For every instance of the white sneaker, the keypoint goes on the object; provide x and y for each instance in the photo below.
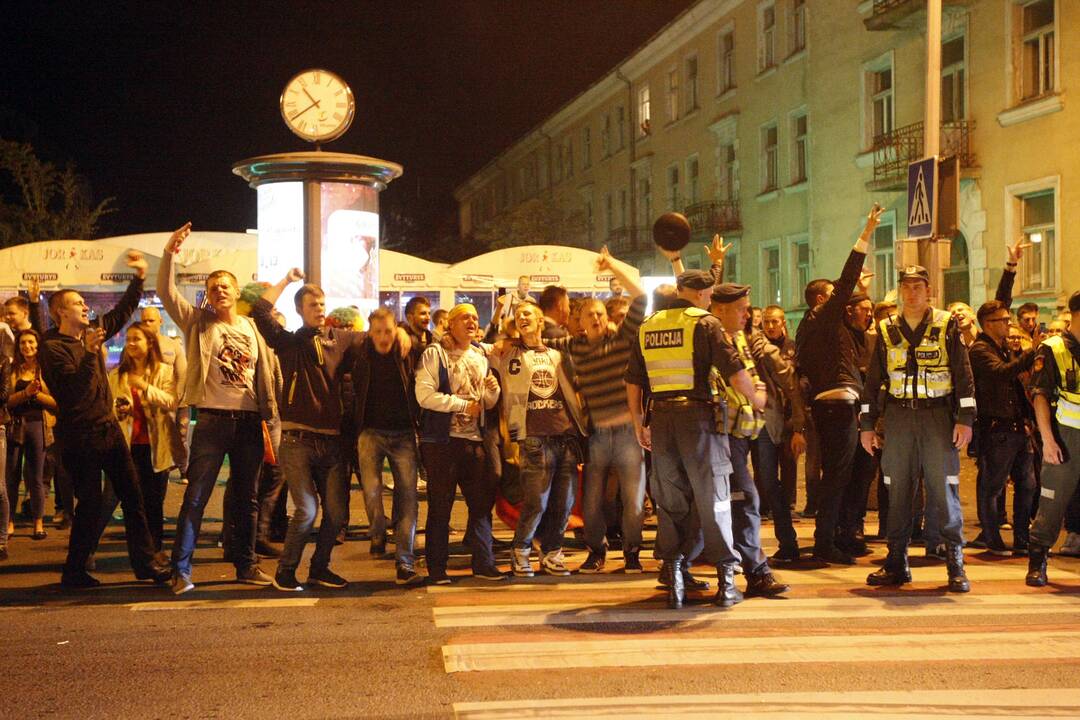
(520, 564)
(1071, 546)
(553, 563)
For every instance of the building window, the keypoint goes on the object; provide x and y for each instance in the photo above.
(623, 207)
(726, 66)
(727, 172)
(586, 147)
(605, 135)
(800, 269)
(799, 147)
(568, 161)
(770, 272)
(620, 122)
(797, 26)
(609, 213)
(766, 37)
(644, 204)
(1037, 49)
(693, 190)
(731, 263)
(880, 112)
(770, 157)
(673, 95)
(589, 219)
(883, 252)
(691, 84)
(673, 196)
(644, 112)
(1037, 218)
(952, 80)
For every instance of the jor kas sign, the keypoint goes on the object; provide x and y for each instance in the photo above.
(922, 198)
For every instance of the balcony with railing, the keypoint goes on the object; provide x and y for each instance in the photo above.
(714, 217)
(908, 14)
(895, 150)
(629, 240)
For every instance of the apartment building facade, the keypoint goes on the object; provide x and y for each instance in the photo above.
(778, 123)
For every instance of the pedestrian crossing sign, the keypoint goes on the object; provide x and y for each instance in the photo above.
(922, 196)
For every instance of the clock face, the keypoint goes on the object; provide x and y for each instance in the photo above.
(317, 105)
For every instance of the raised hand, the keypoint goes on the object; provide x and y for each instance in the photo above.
(295, 275)
(137, 262)
(603, 260)
(33, 290)
(873, 219)
(864, 280)
(177, 238)
(718, 250)
(1016, 250)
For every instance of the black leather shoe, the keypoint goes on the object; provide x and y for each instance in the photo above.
(677, 588)
(833, 555)
(894, 571)
(1036, 574)
(853, 545)
(78, 581)
(763, 584)
(726, 592)
(954, 561)
(160, 574)
(786, 554)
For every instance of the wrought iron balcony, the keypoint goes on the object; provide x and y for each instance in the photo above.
(894, 151)
(714, 216)
(893, 14)
(628, 240)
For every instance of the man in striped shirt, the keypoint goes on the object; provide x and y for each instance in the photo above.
(599, 359)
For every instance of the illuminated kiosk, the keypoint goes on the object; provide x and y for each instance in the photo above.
(320, 211)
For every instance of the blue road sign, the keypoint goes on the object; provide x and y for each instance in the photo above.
(921, 198)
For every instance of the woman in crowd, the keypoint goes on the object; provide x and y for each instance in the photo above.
(145, 397)
(29, 403)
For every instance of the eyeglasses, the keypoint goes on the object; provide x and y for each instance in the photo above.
(996, 320)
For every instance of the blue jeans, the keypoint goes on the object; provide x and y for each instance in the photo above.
(1002, 453)
(768, 467)
(375, 447)
(614, 447)
(5, 517)
(548, 470)
(216, 436)
(745, 508)
(26, 461)
(313, 469)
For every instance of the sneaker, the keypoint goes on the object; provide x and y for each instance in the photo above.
(1071, 546)
(406, 575)
(833, 555)
(632, 563)
(786, 554)
(489, 572)
(285, 580)
(325, 577)
(520, 564)
(593, 564)
(254, 575)
(998, 548)
(181, 584)
(438, 577)
(554, 564)
(78, 581)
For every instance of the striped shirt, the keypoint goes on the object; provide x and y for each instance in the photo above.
(599, 367)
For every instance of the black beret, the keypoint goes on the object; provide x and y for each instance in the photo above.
(729, 292)
(914, 272)
(1074, 302)
(694, 280)
(857, 298)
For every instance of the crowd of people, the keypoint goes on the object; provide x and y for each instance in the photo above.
(698, 413)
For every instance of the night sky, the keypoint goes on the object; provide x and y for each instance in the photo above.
(154, 102)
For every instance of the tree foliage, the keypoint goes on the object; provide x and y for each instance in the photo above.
(43, 202)
(538, 221)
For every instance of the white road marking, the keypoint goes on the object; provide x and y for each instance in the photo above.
(223, 604)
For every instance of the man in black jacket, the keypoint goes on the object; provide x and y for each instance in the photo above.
(73, 367)
(828, 358)
(1004, 442)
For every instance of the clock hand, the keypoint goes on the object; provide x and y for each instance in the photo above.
(303, 111)
(313, 100)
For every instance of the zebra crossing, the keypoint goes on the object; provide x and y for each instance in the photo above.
(829, 618)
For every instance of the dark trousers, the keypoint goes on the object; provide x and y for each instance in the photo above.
(1002, 454)
(153, 485)
(26, 462)
(853, 505)
(838, 437)
(64, 499)
(87, 455)
(458, 463)
(770, 483)
(745, 508)
(813, 467)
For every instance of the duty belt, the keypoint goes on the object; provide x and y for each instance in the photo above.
(680, 401)
(920, 403)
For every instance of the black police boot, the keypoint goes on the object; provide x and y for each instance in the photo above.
(690, 582)
(1036, 574)
(677, 589)
(954, 562)
(763, 584)
(894, 571)
(726, 592)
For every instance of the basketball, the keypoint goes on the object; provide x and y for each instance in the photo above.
(671, 231)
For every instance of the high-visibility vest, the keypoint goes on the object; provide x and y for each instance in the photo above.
(932, 378)
(743, 421)
(1068, 405)
(667, 345)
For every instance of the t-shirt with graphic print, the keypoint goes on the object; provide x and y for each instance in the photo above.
(230, 379)
(466, 371)
(545, 413)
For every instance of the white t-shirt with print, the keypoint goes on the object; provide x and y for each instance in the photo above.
(230, 379)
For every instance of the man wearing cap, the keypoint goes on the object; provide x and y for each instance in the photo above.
(1056, 376)
(731, 304)
(677, 351)
(828, 359)
(920, 380)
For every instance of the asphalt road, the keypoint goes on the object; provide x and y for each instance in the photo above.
(566, 647)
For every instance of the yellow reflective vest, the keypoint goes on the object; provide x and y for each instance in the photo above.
(932, 378)
(1068, 404)
(743, 421)
(667, 346)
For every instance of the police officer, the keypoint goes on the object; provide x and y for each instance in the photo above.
(922, 366)
(676, 352)
(731, 304)
(1056, 376)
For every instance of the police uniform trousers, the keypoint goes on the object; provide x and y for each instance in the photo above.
(691, 469)
(1058, 485)
(921, 440)
(745, 508)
